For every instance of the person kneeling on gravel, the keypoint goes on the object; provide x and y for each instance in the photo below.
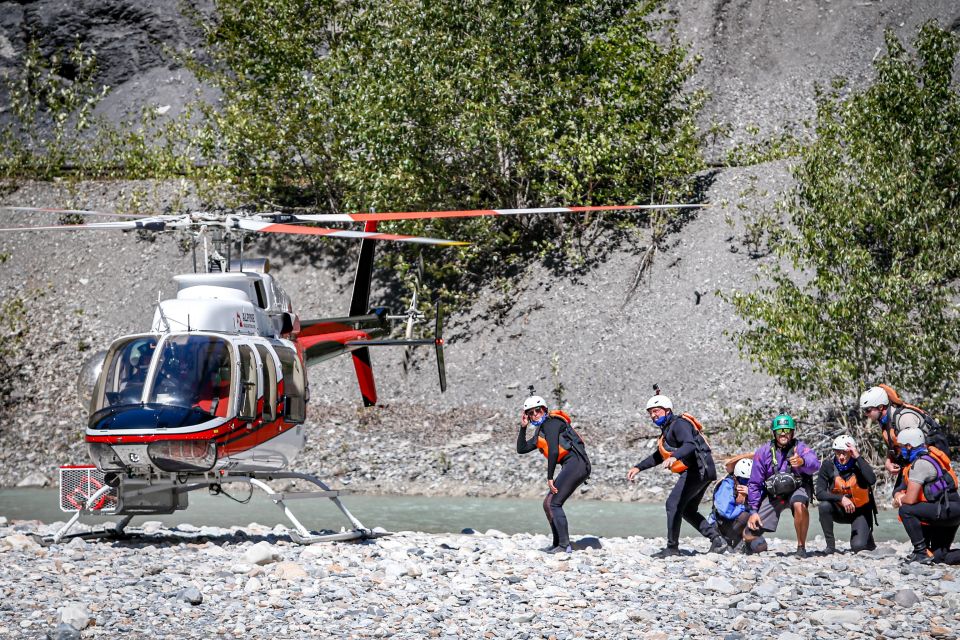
(845, 492)
(730, 501)
(928, 500)
(559, 444)
(683, 450)
(782, 476)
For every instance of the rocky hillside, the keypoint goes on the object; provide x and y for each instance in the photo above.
(576, 337)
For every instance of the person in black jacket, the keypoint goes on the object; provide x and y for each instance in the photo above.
(559, 444)
(845, 492)
(683, 450)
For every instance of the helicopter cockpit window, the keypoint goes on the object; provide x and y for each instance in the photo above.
(125, 372)
(193, 371)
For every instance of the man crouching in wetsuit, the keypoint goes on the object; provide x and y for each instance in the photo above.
(559, 443)
(683, 450)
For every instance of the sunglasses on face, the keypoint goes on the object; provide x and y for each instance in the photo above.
(869, 409)
(780, 432)
(531, 412)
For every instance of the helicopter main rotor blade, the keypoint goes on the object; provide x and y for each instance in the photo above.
(271, 227)
(150, 224)
(473, 213)
(82, 212)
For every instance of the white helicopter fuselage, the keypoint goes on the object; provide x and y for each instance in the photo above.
(218, 384)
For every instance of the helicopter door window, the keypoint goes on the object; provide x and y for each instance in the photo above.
(125, 371)
(269, 367)
(193, 372)
(248, 384)
(294, 386)
(214, 394)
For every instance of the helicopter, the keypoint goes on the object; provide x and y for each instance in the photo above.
(215, 391)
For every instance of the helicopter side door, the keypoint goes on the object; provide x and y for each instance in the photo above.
(293, 385)
(250, 394)
(270, 372)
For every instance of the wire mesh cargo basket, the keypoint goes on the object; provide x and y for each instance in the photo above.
(78, 483)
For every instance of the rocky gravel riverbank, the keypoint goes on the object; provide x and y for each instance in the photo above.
(254, 583)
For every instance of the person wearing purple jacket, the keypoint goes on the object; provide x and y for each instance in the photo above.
(782, 476)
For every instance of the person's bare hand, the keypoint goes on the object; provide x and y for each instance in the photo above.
(667, 463)
(847, 504)
(796, 461)
(632, 473)
(891, 466)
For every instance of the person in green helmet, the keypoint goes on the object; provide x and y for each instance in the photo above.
(782, 476)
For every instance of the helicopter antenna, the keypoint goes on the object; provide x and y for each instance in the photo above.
(163, 316)
(206, 255)
(193, 244)
(241, 253)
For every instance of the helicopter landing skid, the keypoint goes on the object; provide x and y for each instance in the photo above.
(300, 534)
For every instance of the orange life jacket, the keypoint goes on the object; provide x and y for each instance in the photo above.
(678, 466)
(850, 488)
(943, 460)
(542, 442)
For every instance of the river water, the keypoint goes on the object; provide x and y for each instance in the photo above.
(415, 513)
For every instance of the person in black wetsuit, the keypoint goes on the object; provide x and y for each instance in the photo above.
(845, 492)
(683, 450)
(559, 443)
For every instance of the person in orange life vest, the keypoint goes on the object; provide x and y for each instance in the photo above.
(844, 490)
(928, 500)
(893, 416)
(560, 444)
(782, 477)
(681, 442)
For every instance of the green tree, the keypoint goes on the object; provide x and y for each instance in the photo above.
(872, 238)
(449, 104)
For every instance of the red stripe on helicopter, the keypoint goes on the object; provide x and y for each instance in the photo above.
(318, 231)
(471, 213)
(324, 328)
(341, 337)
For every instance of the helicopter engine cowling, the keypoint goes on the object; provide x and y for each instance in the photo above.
(87, 378)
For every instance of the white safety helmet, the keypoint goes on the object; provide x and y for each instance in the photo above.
(532, 402)
(873, 397)
(912, 437)
(660, 401)
(843, 443)
(743, 468)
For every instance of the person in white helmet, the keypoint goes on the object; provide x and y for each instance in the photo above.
(928, 501)
(683, 450)
(882, 405)
(559, 444)
(730, 503)
(845, 492)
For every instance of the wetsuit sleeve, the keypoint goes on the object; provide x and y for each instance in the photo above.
(824, 486)
(551, 433)
(755, 488)
(650, 461)
(865, 471)
(524, 445)
(811, 462)
(685, 434)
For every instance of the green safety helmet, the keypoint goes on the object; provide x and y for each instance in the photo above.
(783, 421)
